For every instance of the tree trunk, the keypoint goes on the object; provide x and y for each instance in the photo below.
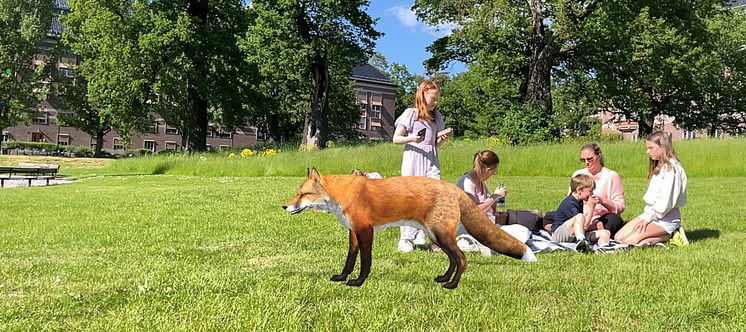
(538, 86)
(194, 137)
(315, 131)
(645, 125)
(98, 153)
(1, 141)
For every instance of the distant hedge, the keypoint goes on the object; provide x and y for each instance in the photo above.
(48, 147)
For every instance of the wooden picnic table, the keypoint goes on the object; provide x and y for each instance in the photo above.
(29, 172)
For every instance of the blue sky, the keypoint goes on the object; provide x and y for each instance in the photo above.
(405, 38)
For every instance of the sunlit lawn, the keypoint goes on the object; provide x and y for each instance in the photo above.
(170, 252)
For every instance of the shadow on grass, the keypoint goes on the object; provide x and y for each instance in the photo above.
(163, 167)
(697, 235)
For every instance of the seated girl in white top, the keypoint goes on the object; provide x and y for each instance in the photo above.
(474, 183)
(665, 195)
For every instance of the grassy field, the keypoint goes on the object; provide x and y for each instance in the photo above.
(166, 244)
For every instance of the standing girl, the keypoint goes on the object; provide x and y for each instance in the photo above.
(666, 194)
(422, 130)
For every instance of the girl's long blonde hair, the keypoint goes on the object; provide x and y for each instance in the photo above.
(662, 139)
(419, 100)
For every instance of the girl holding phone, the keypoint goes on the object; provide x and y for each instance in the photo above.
(422, 130)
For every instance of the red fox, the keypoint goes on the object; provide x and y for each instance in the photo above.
(364, 205)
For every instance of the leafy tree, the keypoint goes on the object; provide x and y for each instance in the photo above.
(523, 40)
(299, 45)
(475, 102)
(720, 78)
(406, 86)
(179, 58)
(79, 113)
(23, 25)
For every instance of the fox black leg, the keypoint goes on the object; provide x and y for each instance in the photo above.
(365, 242)
(351, 258)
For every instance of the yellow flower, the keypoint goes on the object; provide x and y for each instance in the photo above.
(330, 144)
(269, 153)
(232, 155)
(308, 147)
(247, 153)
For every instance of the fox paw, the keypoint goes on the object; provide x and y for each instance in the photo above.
(339, 277)
(355, 282)
(443, 278)
(450, 285)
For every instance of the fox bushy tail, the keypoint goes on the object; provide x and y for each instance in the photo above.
(482, 229)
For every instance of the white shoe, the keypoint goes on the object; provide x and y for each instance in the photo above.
(405, 246)
(420, 240)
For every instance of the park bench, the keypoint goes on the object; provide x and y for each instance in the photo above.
(29, 172)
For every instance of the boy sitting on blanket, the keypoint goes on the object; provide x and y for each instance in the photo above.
(573, 223)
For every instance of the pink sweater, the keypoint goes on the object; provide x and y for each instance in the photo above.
(609, 187)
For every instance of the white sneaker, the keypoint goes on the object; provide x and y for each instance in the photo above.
(405, 246)
(420, 240)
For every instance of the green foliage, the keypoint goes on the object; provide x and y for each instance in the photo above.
(654, 58)
(23, 25)
(475, 103)
(526, 124)
(181, 61)
(38, 146)
(301, 49)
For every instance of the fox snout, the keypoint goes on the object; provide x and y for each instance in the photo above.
(293, 208)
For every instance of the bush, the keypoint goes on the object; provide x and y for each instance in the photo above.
(141, 152)
(39, 146)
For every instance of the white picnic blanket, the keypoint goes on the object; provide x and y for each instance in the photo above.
(539, 241)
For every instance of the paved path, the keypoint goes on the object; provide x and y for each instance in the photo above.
(22, 182)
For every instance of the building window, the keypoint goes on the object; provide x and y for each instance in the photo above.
(171, 145)
(93, 143)
(225, 135)
(362, 97)
(63, 139)
(149, 144)
(65, 72)
(37, 137)
(5, 137)
(262, 135)
(118, 144)
(224, 147)
(375, 115)
(153, 128)
(40, 120)
(208, 146)
(376, 99)
(362, 122)
(171, 131)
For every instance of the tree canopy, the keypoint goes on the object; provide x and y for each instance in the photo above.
(23, 26)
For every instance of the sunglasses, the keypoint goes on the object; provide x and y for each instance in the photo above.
(586, 160)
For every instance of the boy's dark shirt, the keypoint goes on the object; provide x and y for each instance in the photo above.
(566, 210)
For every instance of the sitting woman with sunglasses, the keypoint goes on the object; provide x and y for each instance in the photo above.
(609, 188)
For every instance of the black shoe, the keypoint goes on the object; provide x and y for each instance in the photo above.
(583, 246)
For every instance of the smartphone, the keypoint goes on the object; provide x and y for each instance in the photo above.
(422, 132)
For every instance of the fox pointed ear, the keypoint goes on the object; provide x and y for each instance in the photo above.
(314, 174)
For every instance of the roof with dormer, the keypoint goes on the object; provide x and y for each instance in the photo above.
(367, 72)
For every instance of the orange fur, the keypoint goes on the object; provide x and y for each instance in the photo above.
(363, 204)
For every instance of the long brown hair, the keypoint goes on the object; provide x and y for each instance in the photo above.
(483, 160)
(662, 139)
(419, 100)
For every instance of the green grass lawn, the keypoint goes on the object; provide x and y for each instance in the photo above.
(178, 252)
